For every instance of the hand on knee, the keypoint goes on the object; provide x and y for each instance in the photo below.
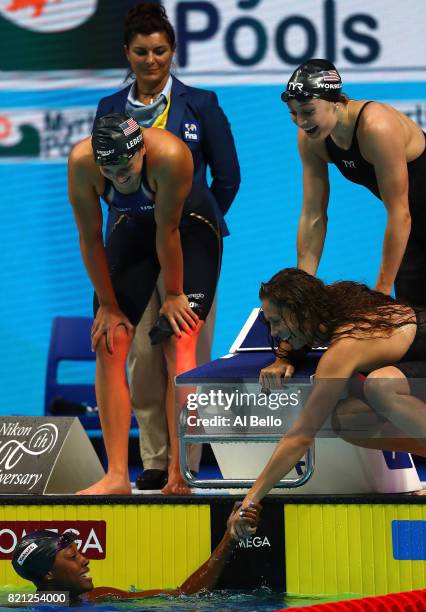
(109, 321)
(122, 339)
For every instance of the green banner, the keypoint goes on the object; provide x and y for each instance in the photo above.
(62, 34)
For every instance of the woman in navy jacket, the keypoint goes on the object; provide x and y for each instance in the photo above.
(156, 98)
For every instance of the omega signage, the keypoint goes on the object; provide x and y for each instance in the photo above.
(90, 536)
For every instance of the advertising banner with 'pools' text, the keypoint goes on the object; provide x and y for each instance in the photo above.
(226, 41)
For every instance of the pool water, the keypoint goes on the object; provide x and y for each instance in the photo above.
(224, 601)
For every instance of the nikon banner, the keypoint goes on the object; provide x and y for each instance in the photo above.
(223, 41)
(46, 455)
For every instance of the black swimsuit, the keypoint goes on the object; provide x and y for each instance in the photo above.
(410, 282)
(131, 248)
(413, 364)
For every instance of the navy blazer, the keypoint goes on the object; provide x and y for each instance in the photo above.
(196, 118)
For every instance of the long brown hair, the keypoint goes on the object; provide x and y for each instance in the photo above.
(346, 304)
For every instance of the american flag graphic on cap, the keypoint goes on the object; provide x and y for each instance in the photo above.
(129, 126)
(331, 76)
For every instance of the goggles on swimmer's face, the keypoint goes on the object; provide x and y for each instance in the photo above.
(65, 540)
(121, 161)
(299, 96)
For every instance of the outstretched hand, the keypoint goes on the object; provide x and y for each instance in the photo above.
(243, 521)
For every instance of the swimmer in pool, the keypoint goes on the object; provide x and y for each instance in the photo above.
(53, 562)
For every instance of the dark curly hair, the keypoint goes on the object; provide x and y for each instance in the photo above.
(352, 306)
(146, 18)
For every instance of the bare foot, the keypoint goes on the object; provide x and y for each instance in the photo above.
(176, 486)
(421, 492)
(108, 485)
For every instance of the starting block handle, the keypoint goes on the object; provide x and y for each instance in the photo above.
(230, 483)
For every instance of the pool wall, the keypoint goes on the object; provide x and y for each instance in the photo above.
(367, 545)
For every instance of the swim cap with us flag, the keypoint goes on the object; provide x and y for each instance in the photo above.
(116, 137)
(316, 78)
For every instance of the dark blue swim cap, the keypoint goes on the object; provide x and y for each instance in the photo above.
(316, 78)
(116, 138)
(35, 553)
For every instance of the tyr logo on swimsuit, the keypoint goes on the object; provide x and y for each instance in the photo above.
(349, 163)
